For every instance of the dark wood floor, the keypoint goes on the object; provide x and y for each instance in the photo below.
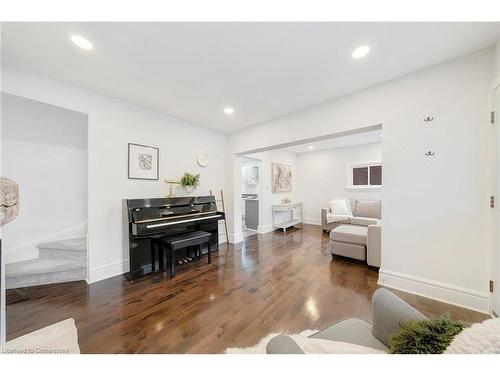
(269, 283)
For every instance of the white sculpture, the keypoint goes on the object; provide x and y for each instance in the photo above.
(9, 200)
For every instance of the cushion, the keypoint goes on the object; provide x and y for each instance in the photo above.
(58, 338)
(358, 220)
(350, 233)
(389, 311)
(480, 338)
(368, 208)
(353, 331)
(352, 205)
(311, 345)
(348, 250)
(425, 336)
(283, 344)
(333, 218)
(340, 207)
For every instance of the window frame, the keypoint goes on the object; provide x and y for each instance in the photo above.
(363, 164)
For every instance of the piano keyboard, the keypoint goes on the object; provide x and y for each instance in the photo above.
(181, 221)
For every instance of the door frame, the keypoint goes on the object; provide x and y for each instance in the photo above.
(494, 258)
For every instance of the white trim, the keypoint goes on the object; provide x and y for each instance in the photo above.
(312, 220)
(464, 297)
(222, 238)
(107, 271)
(235, 238)
(262, 229)
(493, 150)
(364, 188)
(119, 268)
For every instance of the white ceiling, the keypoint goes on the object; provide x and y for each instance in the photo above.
(263, 70)
(374, 136)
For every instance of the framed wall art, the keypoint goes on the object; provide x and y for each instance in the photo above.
(143, 162)
(281, 178)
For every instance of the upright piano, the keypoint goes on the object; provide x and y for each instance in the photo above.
(148, 219)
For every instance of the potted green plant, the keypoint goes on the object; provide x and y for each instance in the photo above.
(190, 182)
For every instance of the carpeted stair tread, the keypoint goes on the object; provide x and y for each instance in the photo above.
(45, 278)
(75, 244)
(41, 266)
(58, 261)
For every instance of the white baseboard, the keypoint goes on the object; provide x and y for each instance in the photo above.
(311, 220)
(448, 293)
(222, 238)
(119, 268)
(235, 238)
(265, 229)
(107, 271)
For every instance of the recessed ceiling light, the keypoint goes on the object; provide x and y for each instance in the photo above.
(228, 110)
(361, 51)
(81, 42)
(310, 147)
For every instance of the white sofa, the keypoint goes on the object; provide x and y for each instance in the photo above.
(358, 236)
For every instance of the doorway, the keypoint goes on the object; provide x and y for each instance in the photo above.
(317, 171)
(250, 189)
(44, 151)
(495, 269)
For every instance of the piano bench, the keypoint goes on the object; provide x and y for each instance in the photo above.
(181, 241)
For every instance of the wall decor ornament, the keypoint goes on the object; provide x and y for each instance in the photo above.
(143, 162)
(202, 160)
(281, 178)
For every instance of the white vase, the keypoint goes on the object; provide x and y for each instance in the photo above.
(189, 189)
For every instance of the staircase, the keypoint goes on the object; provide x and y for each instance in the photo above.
(58, 262)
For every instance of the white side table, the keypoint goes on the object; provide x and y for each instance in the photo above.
(288, 218)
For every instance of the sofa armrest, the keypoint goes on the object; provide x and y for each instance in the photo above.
(374, 245)
(283, 344)
(389, 311)
(324, 224)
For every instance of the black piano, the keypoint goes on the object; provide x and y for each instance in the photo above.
(149, 219)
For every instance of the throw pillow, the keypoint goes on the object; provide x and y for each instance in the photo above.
(480, 338)
(425, 336)
(340, 207)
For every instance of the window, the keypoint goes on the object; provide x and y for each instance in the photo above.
(360, 176)
(364, 175)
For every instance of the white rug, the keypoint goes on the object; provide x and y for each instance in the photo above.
(260, 348)
(480, 338)
(58, 338)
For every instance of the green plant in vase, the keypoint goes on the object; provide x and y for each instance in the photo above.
(190, 182)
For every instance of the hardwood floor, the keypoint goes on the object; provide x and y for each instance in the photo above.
(268, 283)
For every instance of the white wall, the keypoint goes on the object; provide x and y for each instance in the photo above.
(497, 62)
(112, 124)
(266, 196)
(435, 210)
(321, 176)
(45, 151)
